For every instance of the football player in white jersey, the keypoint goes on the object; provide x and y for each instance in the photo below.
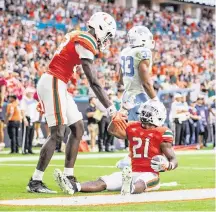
(136, 65)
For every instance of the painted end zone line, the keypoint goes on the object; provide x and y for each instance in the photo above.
(103, 155)
(178, 195)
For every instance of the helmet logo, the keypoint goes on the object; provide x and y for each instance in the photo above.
(105, 19)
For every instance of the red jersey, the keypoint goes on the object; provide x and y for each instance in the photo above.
(66, 57)
(145, 144)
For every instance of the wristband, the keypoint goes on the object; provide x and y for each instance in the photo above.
(111, 110)
(155, 98)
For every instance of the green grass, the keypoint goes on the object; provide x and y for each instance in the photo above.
(13, 180)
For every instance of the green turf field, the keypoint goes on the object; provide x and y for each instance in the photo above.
(195, 171)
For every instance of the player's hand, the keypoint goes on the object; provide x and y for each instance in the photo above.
(120, 119)
(39, 108)
(159, 163)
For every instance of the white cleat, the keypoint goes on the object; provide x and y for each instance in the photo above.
(126, 161)
(126, 181)
(63, 182)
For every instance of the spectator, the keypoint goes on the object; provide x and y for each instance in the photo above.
(118, 98)
(2, 97)
(194, 123)
(92, 123)
(179, 115)
(28, 109)
(203, 112)
(13, 119)
(104, 138)
(213, 120)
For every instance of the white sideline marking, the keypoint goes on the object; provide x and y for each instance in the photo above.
(117, 199)
(100, 166)
(103, 155)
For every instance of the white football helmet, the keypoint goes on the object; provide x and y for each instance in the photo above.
(152, 112)
(104, 26)
(141, 36)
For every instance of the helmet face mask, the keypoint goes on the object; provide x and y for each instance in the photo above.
(104, 26)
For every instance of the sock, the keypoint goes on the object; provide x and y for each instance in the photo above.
(38, 175)
(68, 171)
(78, 186)
(132, 188)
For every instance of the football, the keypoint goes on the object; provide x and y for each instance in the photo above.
(159, 158)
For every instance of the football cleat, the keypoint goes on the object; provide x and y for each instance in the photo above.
(126, 181)
(37, 186)
(126, 161)
(66, 183)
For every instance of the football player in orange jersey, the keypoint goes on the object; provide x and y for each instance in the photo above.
(77, 48)
(151, 152)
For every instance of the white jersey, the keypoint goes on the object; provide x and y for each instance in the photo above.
(130, 59)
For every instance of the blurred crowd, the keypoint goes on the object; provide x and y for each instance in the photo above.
(30, 31)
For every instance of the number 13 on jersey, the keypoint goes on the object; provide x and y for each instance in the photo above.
(139, 145)
(127, 65)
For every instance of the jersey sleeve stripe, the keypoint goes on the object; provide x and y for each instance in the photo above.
(167, 136)
(89, 39)
(168, 133)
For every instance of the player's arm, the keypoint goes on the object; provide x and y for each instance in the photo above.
(94, 83)
(118, 125)
(146, 78)
(161, 163)
(168, 151)
(86, 56)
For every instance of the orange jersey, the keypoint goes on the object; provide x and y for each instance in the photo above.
(145, 144)
(66, 56)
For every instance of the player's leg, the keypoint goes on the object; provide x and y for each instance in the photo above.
(52, 94)
(92, 186)
(71, 187)
(72, 146)
(111, 182)
(76, 126)
(145, 182)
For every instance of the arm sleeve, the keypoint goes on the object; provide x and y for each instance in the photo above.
(83, 52)
(167, 136)
(88, 110)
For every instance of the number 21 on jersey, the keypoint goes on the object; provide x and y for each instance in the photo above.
(138, 146)
(127, 64)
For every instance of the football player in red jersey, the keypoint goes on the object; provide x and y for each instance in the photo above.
(77, 48)
(151, 152)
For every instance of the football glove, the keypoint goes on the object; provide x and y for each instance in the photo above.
(159, 163)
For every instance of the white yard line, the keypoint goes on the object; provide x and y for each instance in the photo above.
(178, 195)
(103, 155)
(100, 166)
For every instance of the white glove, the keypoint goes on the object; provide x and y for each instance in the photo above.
(159, 163)
(155, 99)
(111, 110)
(126, 161)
